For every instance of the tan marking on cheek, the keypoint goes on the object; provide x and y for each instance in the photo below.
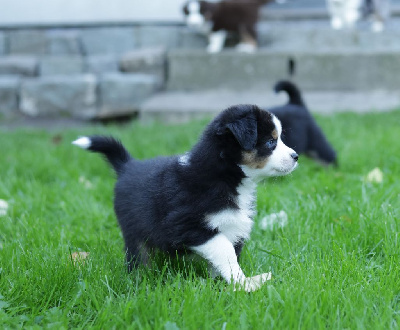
(275, 134)
(250, 159)
(260, 163)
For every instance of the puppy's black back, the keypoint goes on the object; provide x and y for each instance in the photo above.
(149, 199)
(162, 203)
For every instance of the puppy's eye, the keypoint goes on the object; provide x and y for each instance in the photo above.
(271, 143)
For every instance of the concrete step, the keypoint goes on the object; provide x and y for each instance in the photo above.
(315, 69)
(300, 10)
(318, 34)
(184, 106)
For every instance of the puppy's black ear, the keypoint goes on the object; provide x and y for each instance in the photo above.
(245, 131)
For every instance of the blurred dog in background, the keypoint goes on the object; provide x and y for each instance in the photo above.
(346, 13)
(238, 16)
(378, 11)
(300, 130)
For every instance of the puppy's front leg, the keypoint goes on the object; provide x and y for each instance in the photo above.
(216, 41)
(220, 252)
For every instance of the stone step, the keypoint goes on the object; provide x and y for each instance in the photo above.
(173, 107)
(84, 96)
(344, 69)
(300, 10)
(318, 34)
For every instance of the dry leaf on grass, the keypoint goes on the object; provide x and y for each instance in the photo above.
(79, 257)
(56, 139)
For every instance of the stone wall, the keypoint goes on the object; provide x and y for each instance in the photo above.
(93, 72)
(86, 72)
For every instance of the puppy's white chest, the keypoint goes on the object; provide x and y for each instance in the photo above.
(236, 224)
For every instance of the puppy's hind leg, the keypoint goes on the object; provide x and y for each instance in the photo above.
(136, 254)
(381, 13)
(248, 39)
(220, 252)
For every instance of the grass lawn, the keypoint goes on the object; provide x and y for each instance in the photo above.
(335, 265)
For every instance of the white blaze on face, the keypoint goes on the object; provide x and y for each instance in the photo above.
(194, 18)
(281, 160)
(279, 163)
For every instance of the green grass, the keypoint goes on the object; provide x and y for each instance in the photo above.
(335, 265)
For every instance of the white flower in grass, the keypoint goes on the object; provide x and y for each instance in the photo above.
(3, 207)
(375, 175)
(86, 183)
(274, 220)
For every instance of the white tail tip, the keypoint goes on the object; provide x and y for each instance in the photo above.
(83, 142)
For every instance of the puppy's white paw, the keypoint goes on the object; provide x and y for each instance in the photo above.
(336, 23)
(213, 49)
(251, 284)
(377, 27)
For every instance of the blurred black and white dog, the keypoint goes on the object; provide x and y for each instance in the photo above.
(238, 16)
(300, 131)
(202, 201)
(345, 13)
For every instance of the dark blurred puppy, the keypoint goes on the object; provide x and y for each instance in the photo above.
(239, 16)
(378, 11)
(300, 131)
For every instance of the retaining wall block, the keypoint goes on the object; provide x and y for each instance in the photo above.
(61, 65)
(27, 42)
(99, 64)
(63, 42)
(154, 36)
(146, 60)
(73, 96)
(9, 90)
(122, 94)
(115, 40)
(192, 39)
(18, 65)
(2, 43)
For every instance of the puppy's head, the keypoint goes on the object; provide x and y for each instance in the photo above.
(252, 138)
(197, 12)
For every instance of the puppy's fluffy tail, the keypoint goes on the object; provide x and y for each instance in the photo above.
(292, 90)
(111, 148)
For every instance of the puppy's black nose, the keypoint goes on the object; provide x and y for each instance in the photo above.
(295, 156)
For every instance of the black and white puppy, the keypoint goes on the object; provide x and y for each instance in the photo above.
(300, 131)
(345, 13)
(238, 16)
(202, 201)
